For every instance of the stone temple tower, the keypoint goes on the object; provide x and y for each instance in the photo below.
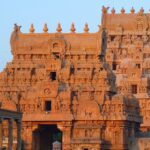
(88, 91)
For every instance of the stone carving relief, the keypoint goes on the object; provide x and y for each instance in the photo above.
(142, 23)
(88, 91)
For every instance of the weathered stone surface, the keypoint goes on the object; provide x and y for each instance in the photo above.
(93, 86)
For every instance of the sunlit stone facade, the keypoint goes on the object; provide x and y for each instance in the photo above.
(87, 91)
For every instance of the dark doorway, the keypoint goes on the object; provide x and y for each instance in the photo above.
(53, 76)
(44, 137)
(48, 106)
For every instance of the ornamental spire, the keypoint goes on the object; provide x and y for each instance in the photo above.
(122, 10)
(72, 28)
(142, 10)
(59, 29)
(113, 11)
(132, 10)
(86, 28)
(32, 28)
(45, 28)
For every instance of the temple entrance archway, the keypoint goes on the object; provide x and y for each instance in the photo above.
(45, 136)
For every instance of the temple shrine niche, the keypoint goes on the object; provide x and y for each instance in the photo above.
(82, 91)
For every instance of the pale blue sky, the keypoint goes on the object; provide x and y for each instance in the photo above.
(25, 12)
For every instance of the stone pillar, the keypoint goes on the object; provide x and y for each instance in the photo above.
(66, 139)
(123, 138)
(10, 134)
(28, 139)
(66, 136)
(101, 137)
(1, 134)
(18, 134)
(27, 135)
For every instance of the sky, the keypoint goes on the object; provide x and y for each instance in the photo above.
(38, 12)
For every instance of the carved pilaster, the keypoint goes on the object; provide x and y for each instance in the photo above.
(123, 137)
(18, 134)
(10, 130)
(66, 141)
(27, 136)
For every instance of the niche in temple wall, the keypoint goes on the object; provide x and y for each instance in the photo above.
(57, 48)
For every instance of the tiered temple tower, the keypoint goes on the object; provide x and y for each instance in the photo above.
(127, 53)
(85, 90)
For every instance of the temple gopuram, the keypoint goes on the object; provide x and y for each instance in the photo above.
(82, 91)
